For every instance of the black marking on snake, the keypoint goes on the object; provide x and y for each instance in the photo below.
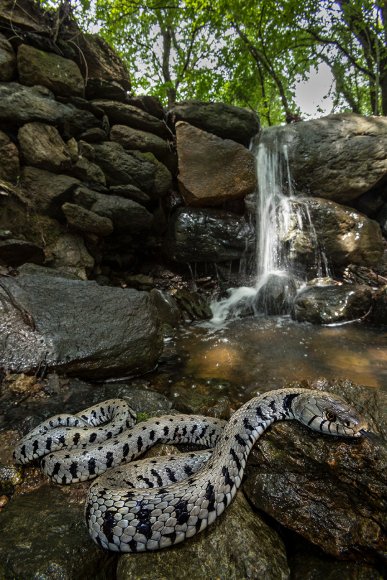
(144, 526)
(166, 430)
(91, 466)
(194, 429)
(109, 435)
(322, 423)
(129, 495)
(240, 440)
(108, 524)
(48, 443)
(73, 469)
(152, 435)
(62, 440)
(227, 479)
(146, 480)
(171, 474)
(56, 469)
(158, 477)
(247, 424)
(273, 406)
(236, 459)
(93, 437)
(311, 420)
(210, 496)
(184, 431)
(188, 470)
(181, 510)
(287, 402)
(109, 459)
(176, 432)
(125, 450)
(76, 438)
(139, 443)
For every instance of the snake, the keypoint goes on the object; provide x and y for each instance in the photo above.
(154, 503)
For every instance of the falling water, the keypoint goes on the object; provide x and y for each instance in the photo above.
(283, 226)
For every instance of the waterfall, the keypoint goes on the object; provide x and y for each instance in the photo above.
(288, 251)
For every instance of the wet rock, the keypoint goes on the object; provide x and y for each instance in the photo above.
(60, 75)
(225, 121)
(123, 114)
(379, 310)
(7, 60)
(332, 491)
(216, 235)
(193, 305)
(9, 159)
(238, 545)
(134, 139)
(85, 220)
(44, 536)
(46, 191)
(338, 157)
(42, 146)
(16, 252)
(125, 214)
(68, 255)
(330, 304)
(139, 169)
(167, 308)
(212, 170)
(63, 324)
(276, 294)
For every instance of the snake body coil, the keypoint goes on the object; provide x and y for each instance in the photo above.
(157, 503)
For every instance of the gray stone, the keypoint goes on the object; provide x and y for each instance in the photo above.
(276, 294)
(9, 159)
(60, 75)
(88, 171)
(216, 235)
(123, 114)
(226, 121)
(338, 157)
(332, 491)
(84, 220)
(68, 254)
(46, 191)
(130, 192)
(167, 308)
(42, 146)
(147, 103)
(16, 252)
(77, 327)
(330, 304)
(237, 545)
(7, 60)
(139, 169)
(212, 170)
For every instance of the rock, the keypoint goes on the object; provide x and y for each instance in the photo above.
(212, 170)
(70, 256)
(25, 104)
(332, 304)
(167, 308)
(147, 103)
(379, 310)
(27, 15)
(332, 491)
(44, 536)
(338, 157)
(139, 169)
(9, 159)
(107, 76)
(16, 252)
(130, 192)
(84, 220)
(125, 214)
(88, 172)
(382, 218)
(45, 191)
(225, 121)
(42, 146)
(336, 234)
(134, 139)
(276, 294)
(94, 135)
(60, 75)
(123, 114)
(216, 235)
(237, 545)
(77, 327)
(7, 60)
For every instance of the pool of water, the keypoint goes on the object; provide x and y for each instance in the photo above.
(256, 354)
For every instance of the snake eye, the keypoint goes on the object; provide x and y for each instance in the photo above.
(330, 416)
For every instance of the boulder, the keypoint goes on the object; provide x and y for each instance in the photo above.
(130, 192)
(60, 75)
(134, 139)
(84, 220)
(68, 255)
(332, 491)
(212, 170)
(9, 159)
(338, 157)
(88, 172)
(7, 60)
(225, 121)
(26, 14)
(147, 103)
(275, 294)
(42, 146)
(46, 191)
(124, 114)
(76, 327)
(215, 235)
(139, 169)
(331, 304)
(16, 252)
(379, 310)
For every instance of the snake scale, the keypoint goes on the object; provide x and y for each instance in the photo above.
(156, 503)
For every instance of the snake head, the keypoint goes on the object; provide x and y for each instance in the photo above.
(327, 413)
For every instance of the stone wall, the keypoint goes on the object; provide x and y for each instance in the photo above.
(88, 172)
